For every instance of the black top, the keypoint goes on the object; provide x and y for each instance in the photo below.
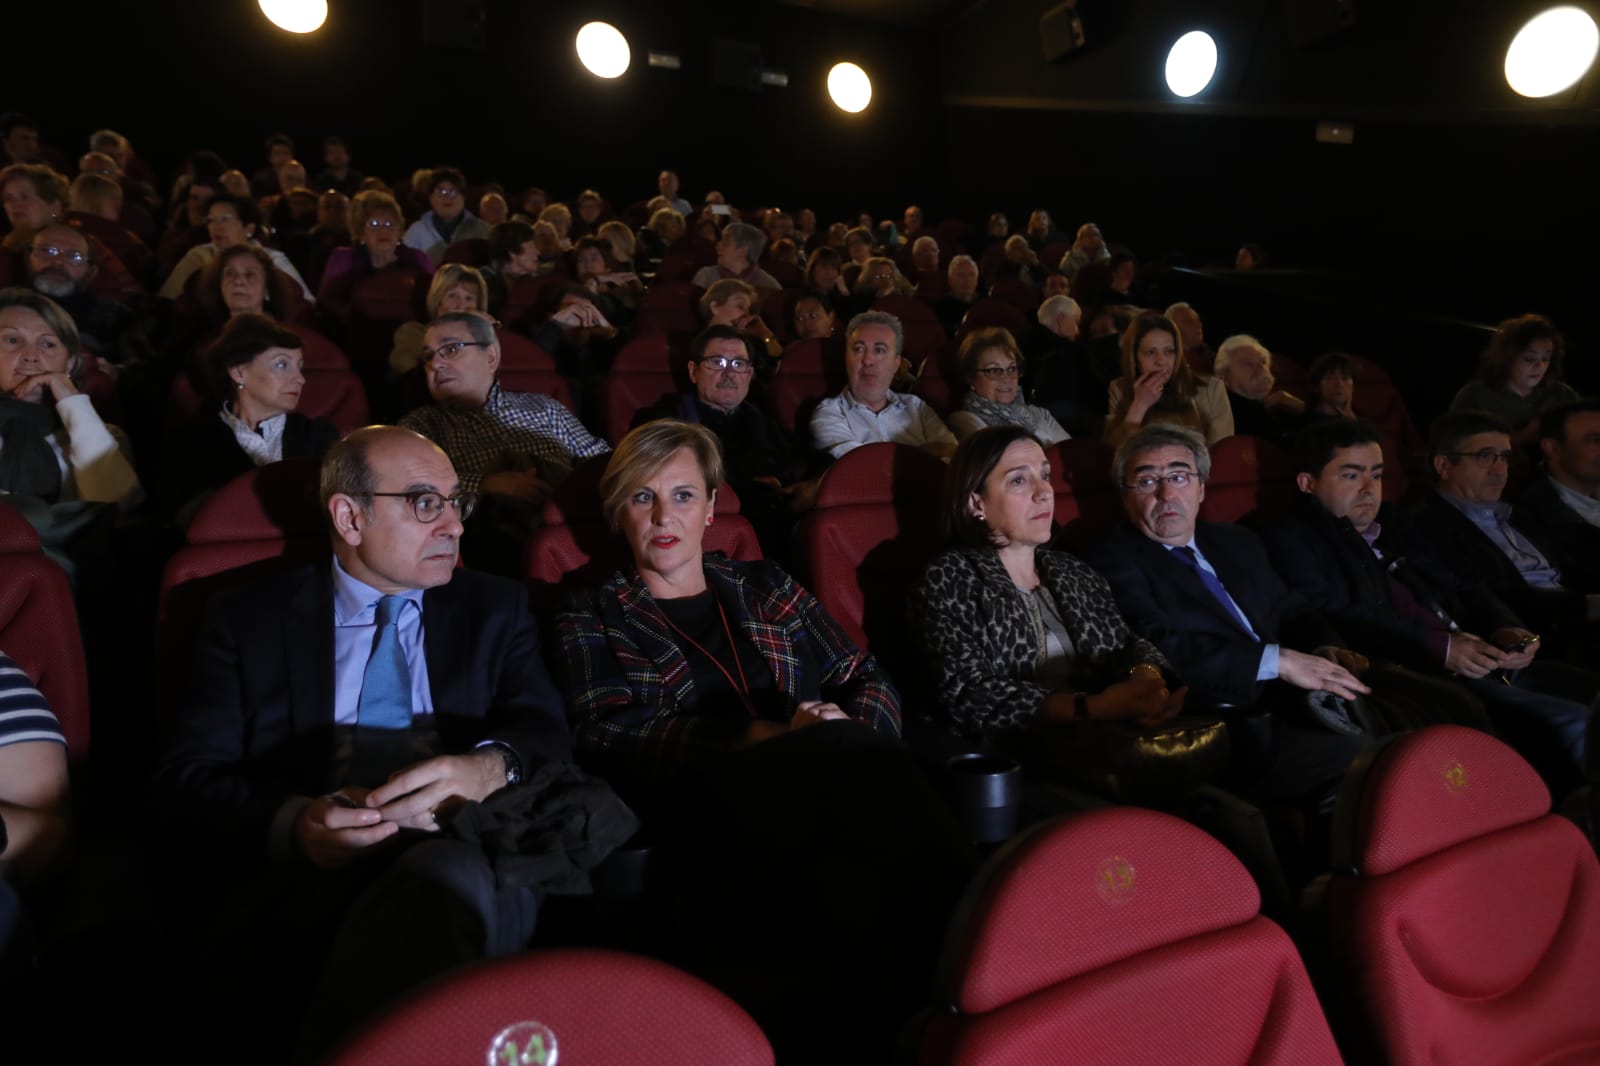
(707, 648)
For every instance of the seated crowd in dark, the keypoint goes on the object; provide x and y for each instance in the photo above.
(353, 780)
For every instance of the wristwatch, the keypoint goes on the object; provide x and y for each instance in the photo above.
(513, 761)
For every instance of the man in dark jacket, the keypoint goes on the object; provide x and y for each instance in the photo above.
(1561, 509)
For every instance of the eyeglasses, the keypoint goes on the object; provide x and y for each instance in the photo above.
(449, 350)
(1147, 484)
(222, 220)
(722, 362)
(446, 191)
(429, 506)
(380, 223)
(995, 372)
(50, 251)
(807, 316)
(1484, 457)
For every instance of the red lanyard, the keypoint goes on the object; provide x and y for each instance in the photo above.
(742, 687)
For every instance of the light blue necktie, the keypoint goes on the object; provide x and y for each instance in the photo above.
(385, 701)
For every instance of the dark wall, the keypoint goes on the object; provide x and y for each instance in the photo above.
(175, 77)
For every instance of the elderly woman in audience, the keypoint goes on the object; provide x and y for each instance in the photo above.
(229, 221)
(375, 228)
(1520, 377)
(858, 246)
(240, 280)
(447, 220)
(1260, 409)
(1089, 247)
(1021, 639)
(623, 244)
(1157, 386)
(53, 445)
(587, 222)
(879, 278)
(712, 693)
(493, 209)
(730, 302)
(559, 216)
(1331, 377)
(665, 228)
(824, 274)
(34, 196)
(992, 364)
(257, 373)
(455, 287)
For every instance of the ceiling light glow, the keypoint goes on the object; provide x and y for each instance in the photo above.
(1191, 64)
(850, 87)
(1552, 51)
(296, 16)
(603, 50)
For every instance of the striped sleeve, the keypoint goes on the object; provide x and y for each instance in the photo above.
(24, 715)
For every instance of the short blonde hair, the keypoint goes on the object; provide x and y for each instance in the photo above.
(647, 449)
(559, 217)
(369, 202)
(623, 244)
(448, 277)
(668, 224)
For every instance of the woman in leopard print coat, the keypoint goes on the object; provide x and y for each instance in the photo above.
(979, 617)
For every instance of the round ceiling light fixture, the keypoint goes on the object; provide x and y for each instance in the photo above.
(850, 87)
(1191, 63)
(1552, 51)
(603, 50)
(296, 16)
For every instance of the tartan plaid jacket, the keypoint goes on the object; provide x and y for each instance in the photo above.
(632, 688)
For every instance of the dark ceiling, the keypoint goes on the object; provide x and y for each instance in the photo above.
(929, 14)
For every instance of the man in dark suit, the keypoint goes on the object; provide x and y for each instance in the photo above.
(1468, 527)
(1390, 599)
(1206, 596)
(1561, 509)
(339, 714)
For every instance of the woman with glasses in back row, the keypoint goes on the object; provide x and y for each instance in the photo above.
(992, 363)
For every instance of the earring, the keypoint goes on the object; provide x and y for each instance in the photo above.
(238, 384)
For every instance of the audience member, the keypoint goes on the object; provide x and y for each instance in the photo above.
(337, 173)
(667, 186)
(992, 364)
(1391, 600)
(1245, 643)
(1260, 409)
(1561, 508)
(513, 256)
(375, 227)
(447, 220)
(1192, 331)
(729, 302)
(340, 715)
(61, 265)
(1018, 637)
(1468, 527)
(1520, 377)
(257, 373)
(867, 410)
(455, 288)
(1157, 386)
(229, 221)
(280, 150)
(963, 291)
(738, 255)
(1072, 379)
(1088, 247)
(1331, 379)
(823, 275)
(34, 812)
(813, 318)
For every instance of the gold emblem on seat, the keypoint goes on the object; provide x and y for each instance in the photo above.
(1455, 777)
(1114, 880)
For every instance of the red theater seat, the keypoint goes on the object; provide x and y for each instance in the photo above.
(873, 531)
(1466, 916)
(262, 522)
(641, 375)
(320, 353)
(810, 371)
(993, 312)
(1088, 505)
(473, 252)
(39, 627)
(1250, 477)
(603, 1008)
(1123, 936)
(337, 396)
(924, 335)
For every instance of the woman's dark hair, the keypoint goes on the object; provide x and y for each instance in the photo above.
(1329, 363)
(249, 214)
(1511, 339)
(823, 256)
(210, 299)
(969, 468)
(243, 338)
(599, 244)
(507, 239)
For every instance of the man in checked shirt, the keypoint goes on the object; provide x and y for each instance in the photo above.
(511, 447)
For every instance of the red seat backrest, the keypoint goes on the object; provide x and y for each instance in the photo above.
(644, 355)
(337, 396)
(1070, 933)
(1465, 915)
(994, 312)
(809, 372)
(574, 995)
(1088, 505)
(873, 531)
(778, 313)
(1249, 477)
(39, 627)
(320, 353)
(519, 353)
(262, 522)
(474, 252)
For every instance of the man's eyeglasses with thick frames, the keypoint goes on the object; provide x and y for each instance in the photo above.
(429, 506)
